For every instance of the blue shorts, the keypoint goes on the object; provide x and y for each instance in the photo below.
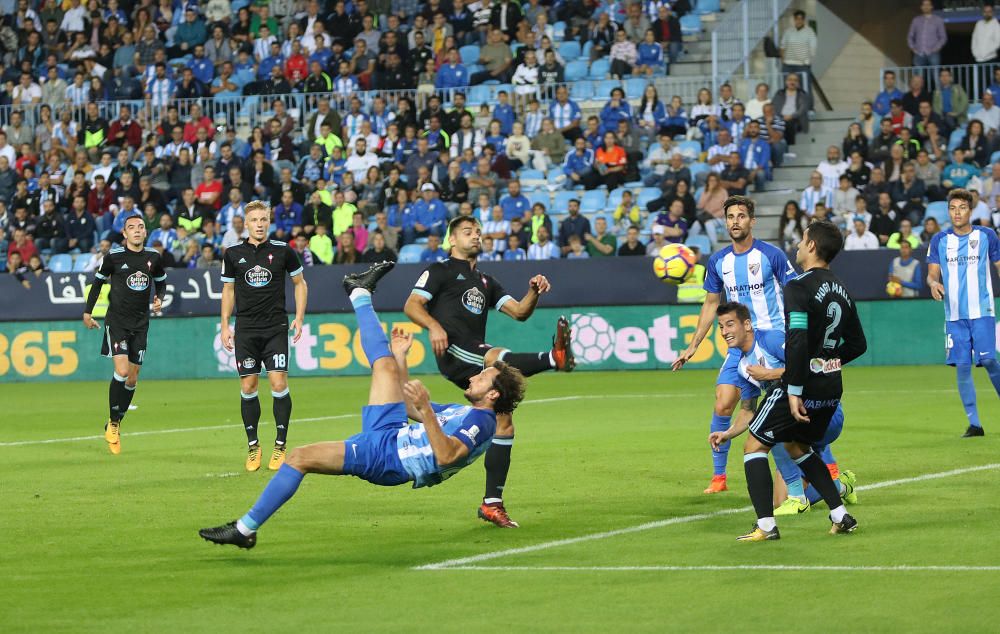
(372, 455)
(730, 372)
(970, 341)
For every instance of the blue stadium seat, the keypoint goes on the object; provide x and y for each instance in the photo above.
(690, 150)
(587, 46)
(603, 88)
(570, 50)
(593, 201)
(575, 70)
(955, 139)
(634, 87)
(581, 90)
(410, 253)
(61, 263)
(553, 177)
(479, 95)
(559, 30)
(615, 197)
(469, 54)
(995, 157)
(704, 7)
(974, 108)
(698, 192)
(600, 68)
(80, 263)
(647, 195)
(562, 200)
(691, 24)
(532, 178)
(701, 241)
(937, 210)
(698, 168)
(540, 196)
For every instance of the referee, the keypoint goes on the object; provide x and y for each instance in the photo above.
(253, 276)
(131, 270)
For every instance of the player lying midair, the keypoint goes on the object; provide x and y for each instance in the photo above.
(388, 451)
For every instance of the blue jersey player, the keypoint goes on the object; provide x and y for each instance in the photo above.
(958, 273)
(751, 272)
(762, 363)
(388, 451)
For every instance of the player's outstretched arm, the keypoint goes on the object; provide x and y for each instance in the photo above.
(400, 343)
(447, 449)
(228, 301)
(748, 407)
(934, 281)
(416, 310)
(705, 320)
(522, 310)
(301, 296)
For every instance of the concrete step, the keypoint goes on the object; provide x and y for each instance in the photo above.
(687, 68)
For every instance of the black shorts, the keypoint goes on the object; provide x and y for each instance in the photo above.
(120, 341)
(462, 361)
(261, 349)
(774, 422)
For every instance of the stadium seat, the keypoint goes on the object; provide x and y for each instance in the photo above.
(410, 253)
(701, 241)
(600, 68)
(570, 50)
(995, 157)
(973, 109)
(698, 168)
(540, 196)
(955, 139)
(575, 70)
(647, 195)
(705, 7)
(634, 87)
(615, 197)
(698, 192)
(479, 95)
(80, 263)
(581, 90)
(690, 150)
(593, 201)
(559, 30)
(587, 46)
(61, 263)
(603, 88)
(555, 176)
(469, 54)
(563, 198)
(938, 210)
(691, 24)
(531, 177)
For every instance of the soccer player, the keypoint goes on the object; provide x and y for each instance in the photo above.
(823, 334)
(388, 451)
(762, 363)
(253, 277)
(131, 269)
(962, 255)
(751, 272)
(452, 299)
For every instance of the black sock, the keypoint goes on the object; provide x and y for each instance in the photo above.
(250, 410)
(529, 362)
(759, 483)
(497, 463)
(127, 394)
(819, 476)
(115, 398)
(282, 409)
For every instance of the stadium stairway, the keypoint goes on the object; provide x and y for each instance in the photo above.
(825, 129)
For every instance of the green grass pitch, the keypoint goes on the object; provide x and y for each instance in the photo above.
(97, 543)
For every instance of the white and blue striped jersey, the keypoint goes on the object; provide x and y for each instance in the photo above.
(965, 271)
(753, 278)
(768, 351)
(474, 427)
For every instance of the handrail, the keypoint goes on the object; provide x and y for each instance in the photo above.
(974, 78)
(740, 30)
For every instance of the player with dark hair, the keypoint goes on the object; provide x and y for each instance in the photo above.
(253, 281)
(131, 270)
(823, 334)
(388, 451)
(962, 255)
(751, 272)
(451, 299)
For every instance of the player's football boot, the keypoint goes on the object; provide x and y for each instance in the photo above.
(228, 534)
(367, 279)
(850, 482)
(495, 513)
(253, 458)
(277, 458)
(113, 437)
(717, 485)
(792, 506)
(562, 350)
(759, 535)
(846, 525)
(973, 432)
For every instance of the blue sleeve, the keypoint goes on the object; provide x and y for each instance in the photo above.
(994, 245)
(747, 389)
(917, 279)
(713, 283)
(440, 407)
(773, 342)
(782, 268)
(932, 250)
(474, 430)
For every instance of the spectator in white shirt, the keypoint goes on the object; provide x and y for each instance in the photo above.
(861, 238)
(74, 20)
(832, 168)
(544, 249)
(497, 228)
(718, 154)
(761, 97)
(986, 36)
(360, 161)
(816, 192)
(989, 114)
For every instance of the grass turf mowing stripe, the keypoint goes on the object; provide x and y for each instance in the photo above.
(792, 568)
(465, 561)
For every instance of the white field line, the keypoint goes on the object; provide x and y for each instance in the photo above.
(538, 401)
(727, 568)
(466, 562)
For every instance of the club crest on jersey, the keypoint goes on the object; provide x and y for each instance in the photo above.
(138, 281)
(258, 276)
(474, 301)
(249, 362)
(974, 243)
(754, 268)
(270, 257)
(485, 283)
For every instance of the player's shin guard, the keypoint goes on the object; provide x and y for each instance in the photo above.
(529, 363)
(967, 391)
(789, 471)
(720, 457)
(497, 464)
(760, 485)
(250, 411)
(373, 340)
(116, 395)
(279, 490)
(993, 369)
(819, 477)
(282, 409)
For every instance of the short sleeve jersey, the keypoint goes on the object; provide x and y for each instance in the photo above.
(753, 278)
(131, 275)
(258, 273)
(768, 351)
(474, 427)
(965, 271)
(459, 298)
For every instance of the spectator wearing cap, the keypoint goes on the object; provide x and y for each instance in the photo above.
(658, 242)
(430, 215)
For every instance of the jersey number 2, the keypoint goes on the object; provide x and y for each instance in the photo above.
(834, 312)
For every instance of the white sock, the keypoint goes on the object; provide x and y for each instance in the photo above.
(837, 514)
(360, 292)
(800, 498)
(244, 530)
(766, 523)
(552, 360)
(840, 486)
(492, 501)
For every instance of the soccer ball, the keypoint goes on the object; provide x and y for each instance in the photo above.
(674, 264)
(894, 289)
(593, 338)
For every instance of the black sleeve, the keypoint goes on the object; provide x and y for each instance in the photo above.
(497, 295)
(102, 275)
(430, 282)
(797, 339)
(292, 263)
(853, 344)
(159, 278)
